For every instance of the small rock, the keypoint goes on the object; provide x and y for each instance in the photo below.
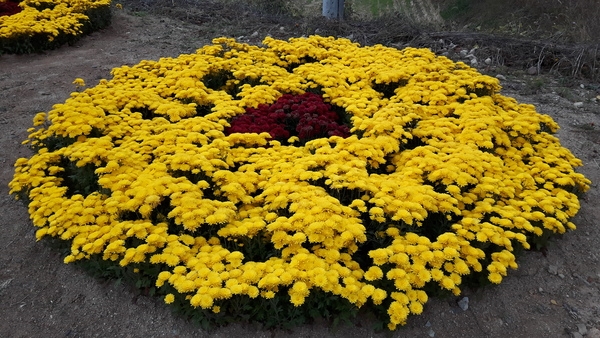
(593, 333)
(573, 312)
(282, 28)
(431, 333)
(474, 62)
(561, 275)
(532, 70)
(582, 86)
(501, 77)
(464, 303)
(553, 302)
(464, 52)
(4, 284)
(576, 335)
(581, 328)
(553, 269)
(578, 104)
(471, 57)
(541, 290)
(428, 324)
(488, 61)
(255, 34)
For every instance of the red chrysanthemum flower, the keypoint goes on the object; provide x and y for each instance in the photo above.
(305, 116)
(9, 7)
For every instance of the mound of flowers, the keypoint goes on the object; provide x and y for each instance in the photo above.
(32, 26)
(306, 178)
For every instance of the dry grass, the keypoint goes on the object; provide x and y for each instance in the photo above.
(564, 21)
(561, 36)
(423, 13)
(586, 17)
(554, 36)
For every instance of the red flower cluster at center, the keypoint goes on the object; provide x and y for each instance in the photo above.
(9, 7)
(305, 116)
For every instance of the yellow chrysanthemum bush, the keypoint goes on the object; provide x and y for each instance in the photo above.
(35, 25)
(309, 177)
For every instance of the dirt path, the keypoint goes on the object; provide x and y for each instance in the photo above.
(548, 296)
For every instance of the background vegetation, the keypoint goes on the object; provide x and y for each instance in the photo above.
(564, 21)
(554, 36)
(561, 21)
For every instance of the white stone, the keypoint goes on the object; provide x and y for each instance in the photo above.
(464, 303)
(4, 284)
(593, 333)
(488, 61)
(578, 104)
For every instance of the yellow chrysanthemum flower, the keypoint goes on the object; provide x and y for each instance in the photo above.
(169, 298)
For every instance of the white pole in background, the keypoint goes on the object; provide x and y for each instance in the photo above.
(333, 9)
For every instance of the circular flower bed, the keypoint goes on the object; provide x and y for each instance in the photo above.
(32, 26)
(305, 178)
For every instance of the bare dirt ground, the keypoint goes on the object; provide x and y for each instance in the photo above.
(554, 293)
